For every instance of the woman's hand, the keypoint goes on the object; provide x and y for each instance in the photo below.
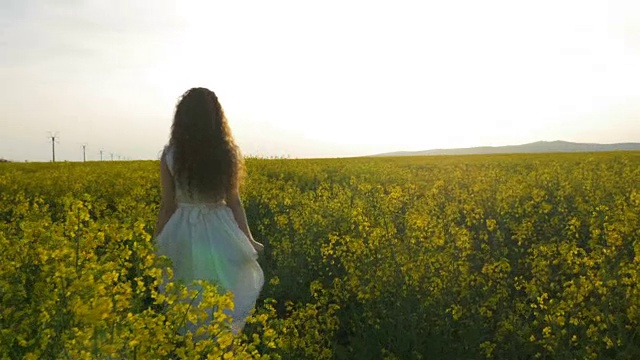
(235, 204)
(257, 246)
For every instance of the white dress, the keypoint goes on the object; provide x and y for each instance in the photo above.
(204, 242)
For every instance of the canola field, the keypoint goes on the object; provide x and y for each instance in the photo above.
(467, 257)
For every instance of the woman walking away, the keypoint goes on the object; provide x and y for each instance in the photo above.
(202, 226)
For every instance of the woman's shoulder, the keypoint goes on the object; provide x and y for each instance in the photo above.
(167, 150)
(167, 156)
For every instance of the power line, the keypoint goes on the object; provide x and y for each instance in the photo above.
(53, 137)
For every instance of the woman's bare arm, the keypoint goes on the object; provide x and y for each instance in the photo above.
(168, 201)
(235, 204)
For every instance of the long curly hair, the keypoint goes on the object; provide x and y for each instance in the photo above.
(207, 160)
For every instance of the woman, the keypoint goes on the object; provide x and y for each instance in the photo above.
(202, 226)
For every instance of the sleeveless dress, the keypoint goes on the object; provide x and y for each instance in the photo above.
(204, 242)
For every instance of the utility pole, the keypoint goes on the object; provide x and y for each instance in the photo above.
(111, 156)
(84, 152)
(53, 137)
(101, 154)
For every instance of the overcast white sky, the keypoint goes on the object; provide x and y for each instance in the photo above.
(318, 79)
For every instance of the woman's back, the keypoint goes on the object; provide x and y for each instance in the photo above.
(204, 242)
(182, 193)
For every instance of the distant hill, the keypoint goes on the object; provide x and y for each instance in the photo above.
(536, 147)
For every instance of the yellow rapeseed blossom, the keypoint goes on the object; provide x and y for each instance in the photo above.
(509, 256)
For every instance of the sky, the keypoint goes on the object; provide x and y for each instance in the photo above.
(317, 78)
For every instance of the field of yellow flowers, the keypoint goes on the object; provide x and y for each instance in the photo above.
(469, 257)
